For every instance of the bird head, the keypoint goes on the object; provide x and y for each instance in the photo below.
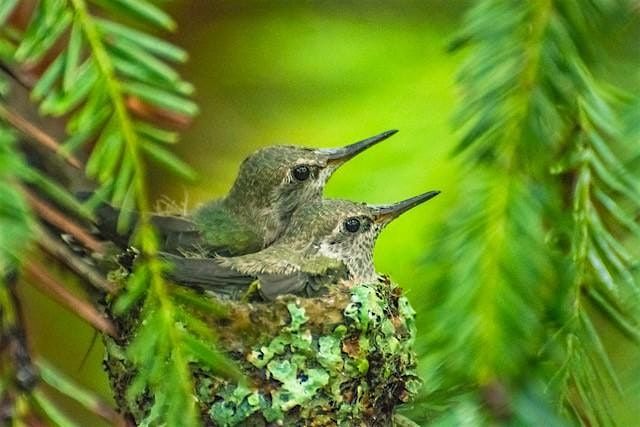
(347, 231)
(285, 177)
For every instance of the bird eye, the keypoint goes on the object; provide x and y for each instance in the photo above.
(301, 172)
(352, 225)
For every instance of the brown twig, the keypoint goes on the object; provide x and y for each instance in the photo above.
(59, 250)
(15, 76)
(54, 217)
(50, 286)
(38, 135)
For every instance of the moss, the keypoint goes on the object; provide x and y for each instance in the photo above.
(352, 371)
(344, 359)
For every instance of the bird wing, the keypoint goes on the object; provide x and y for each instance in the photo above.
(288, 273)
(305, 283)
(205, 273)
(276, 259)
(281, 258)
(272, 285)
(177, 233)
(287, 269)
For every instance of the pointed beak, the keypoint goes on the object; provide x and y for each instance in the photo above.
(340, 155)
(387, 213)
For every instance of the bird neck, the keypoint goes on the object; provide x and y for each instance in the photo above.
(256, 214)
(360, 267)
(361, 270)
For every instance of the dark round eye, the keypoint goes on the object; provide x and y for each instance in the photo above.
(352, 225)
(301, 172)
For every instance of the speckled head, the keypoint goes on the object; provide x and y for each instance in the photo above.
(284, 177)
(346, 230)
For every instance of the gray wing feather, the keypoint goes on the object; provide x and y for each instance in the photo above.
(272, 285)
(300, 283)
(175, 232)
(205, 273)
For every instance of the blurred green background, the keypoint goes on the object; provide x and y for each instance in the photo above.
(321, 73)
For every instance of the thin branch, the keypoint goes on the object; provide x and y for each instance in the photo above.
(146, 234)
(50, 286)
(8, 70)
(38, 135)
(54, 217)
(59, 250)
(118, 100)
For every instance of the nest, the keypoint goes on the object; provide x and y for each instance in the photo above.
(345, 358)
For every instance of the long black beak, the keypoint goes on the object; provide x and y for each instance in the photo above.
(387, 213)
(342, 154)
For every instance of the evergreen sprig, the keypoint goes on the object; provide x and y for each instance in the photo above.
(17, 222)
(111, 82)
(16, 230)
(543, 228)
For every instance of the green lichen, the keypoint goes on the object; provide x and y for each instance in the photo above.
(347, 373)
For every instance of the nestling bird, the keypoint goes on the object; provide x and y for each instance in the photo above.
(271, 184)
(326, 241)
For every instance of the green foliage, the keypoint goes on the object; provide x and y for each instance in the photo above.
(111, 82)
(544, 229)
(538, 256)
(103, 67)
(16, 221)
(167, 338)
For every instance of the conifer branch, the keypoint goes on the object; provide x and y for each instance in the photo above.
(56, 218)
(50, 286)
(59, 250)
(541, 136)
(101, 76)
(38, 135)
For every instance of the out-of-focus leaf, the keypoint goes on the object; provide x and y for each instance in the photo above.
(140, 9)
(148, 42)
(156, 134)
(33, 49)
(72, 60)
(57, 416)
(170, 161)
(163, 99)
(6, 8)
(48, 79)
(215, 361)
(614, 315)
(56, 192)
(130, 55)
(59, 103)
(599, 351)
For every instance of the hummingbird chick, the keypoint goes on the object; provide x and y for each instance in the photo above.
(271, 184)
(326, 241)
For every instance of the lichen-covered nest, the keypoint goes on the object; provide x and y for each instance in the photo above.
(345, 358)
